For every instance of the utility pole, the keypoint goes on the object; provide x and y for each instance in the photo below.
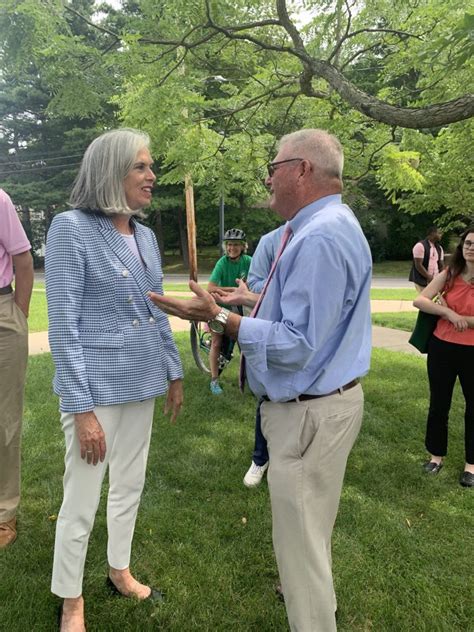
(221, 224)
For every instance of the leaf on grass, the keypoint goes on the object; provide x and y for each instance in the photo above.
(408, 522)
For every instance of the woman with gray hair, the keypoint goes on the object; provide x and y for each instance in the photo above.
(113, 352)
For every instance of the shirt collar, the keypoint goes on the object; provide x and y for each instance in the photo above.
(304, 214)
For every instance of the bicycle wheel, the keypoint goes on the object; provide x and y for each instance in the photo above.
(200, 346)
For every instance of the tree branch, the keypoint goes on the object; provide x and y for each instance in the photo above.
(255, 101)
(401, 34)
(92, 24)
(246, 25)
(431, 116)
(435, 115)
(342, 39)
(357, 179)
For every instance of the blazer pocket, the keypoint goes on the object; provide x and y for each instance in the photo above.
(101, 339)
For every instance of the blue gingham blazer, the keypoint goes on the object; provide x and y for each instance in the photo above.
(109, 342)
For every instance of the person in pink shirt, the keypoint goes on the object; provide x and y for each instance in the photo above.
(428, 259)
(15, 261)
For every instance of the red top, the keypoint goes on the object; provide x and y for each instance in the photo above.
(459, 298)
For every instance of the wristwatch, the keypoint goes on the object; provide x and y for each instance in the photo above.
(218, 323)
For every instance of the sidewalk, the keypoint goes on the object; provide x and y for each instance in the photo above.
(383, 337)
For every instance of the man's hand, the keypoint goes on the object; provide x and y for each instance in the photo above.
(201, 307)
(174, 399)
(91, 437)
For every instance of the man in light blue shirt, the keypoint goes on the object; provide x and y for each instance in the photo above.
(263, 258)
(305, 350)
(260, 266)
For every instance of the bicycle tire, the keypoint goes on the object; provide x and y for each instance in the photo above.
(201, 357)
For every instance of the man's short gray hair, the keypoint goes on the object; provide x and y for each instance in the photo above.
(322, 149)
(106, 163)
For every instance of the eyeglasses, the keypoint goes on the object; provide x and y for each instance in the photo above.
(271, 167)
(468, 243)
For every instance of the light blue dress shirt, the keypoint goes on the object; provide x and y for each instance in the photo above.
(313, 330)
(262, 259)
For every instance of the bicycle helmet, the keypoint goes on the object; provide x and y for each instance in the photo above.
(234, 234)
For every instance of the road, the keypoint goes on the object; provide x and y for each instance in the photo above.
(377, 281)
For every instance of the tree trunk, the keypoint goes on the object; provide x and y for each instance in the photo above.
(158, 228)
(183, 238)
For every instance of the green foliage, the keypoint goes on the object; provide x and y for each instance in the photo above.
(397, 171)
(216, 99)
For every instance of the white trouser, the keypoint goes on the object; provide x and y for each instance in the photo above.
(308, 444)
(127, 429)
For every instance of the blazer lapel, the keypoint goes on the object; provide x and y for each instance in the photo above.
(143, 244)
(117, 244)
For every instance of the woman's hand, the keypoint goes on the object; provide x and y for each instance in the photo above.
(460, 323)
(174, 399)
(91, 437)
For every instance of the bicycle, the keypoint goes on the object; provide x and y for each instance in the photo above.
(201, 345)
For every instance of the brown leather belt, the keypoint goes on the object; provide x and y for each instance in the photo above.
(6, 290)
(304, 397)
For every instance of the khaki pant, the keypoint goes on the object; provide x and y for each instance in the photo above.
(308, 443)
(13, 361)
(127, 429)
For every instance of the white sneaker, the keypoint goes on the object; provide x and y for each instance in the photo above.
(255, 473)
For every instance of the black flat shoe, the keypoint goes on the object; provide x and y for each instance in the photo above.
(155, 596)
(432, 468)
(467, 479)
(279, 593)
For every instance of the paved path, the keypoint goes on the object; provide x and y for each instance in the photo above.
(393, 339)
(383, 337)
(377, 281)
(38, 342)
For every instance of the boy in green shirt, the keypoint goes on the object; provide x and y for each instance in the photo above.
(233, 265)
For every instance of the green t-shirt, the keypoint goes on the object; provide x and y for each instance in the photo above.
(226, 271)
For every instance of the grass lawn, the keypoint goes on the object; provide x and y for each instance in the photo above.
(208, 257)
(393, 294)
(392, 268)
(38, 319)
(395, 320)
(400, 547)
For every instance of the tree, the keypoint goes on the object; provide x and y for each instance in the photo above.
(39, 151)
(387, 77)
(434, 36)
